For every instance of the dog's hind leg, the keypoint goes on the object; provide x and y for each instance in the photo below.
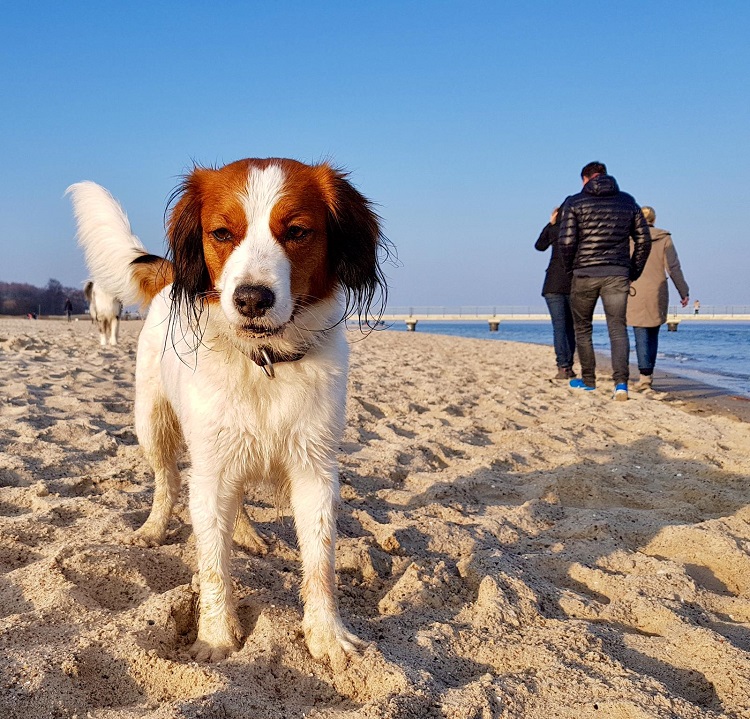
(103, 330)
(245, 535)
(114, 328)
(159, 435)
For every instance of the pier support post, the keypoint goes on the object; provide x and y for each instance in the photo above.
(494, 325)
(673, 325)
(411, 325)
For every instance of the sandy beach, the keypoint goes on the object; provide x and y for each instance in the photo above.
(511, 548)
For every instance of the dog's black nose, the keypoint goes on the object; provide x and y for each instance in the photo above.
(253, 300)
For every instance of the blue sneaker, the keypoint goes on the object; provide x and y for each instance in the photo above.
(621, 392)
(578, 383)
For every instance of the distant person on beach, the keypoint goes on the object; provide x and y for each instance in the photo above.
(596, 226)
(649, 297)
(556, 293)
(696, 307)
(68, 308)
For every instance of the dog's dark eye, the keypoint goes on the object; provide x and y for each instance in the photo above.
(222, 234)
(295, 233)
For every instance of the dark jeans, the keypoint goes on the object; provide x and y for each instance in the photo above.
(583, 297)
(646, 347)
(563, 334)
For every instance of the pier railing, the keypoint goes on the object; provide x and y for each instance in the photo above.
(464, 312)
(740, 311)
(483, 312)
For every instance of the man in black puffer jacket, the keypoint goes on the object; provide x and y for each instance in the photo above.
(595, 231)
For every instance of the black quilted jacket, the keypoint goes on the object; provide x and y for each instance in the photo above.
(596, 227)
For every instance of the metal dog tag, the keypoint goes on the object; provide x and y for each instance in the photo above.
(267, 364)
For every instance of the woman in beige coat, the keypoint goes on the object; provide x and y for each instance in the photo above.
(649, 297)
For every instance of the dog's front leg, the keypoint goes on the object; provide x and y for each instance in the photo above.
(314, 496)
(213, 509)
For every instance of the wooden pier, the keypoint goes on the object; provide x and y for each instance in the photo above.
(493, 316)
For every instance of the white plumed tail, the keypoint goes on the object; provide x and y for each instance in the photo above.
(106, 238)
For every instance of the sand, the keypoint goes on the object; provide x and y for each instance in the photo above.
(510, 548)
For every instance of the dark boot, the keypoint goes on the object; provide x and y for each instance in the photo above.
(564, 373)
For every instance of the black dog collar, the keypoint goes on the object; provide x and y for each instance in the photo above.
(266, 358)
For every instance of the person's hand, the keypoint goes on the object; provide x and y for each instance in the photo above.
(684, 301)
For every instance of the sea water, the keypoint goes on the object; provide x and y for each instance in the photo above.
(716, 353)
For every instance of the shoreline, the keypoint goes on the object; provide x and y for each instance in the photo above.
(690, 394)
(700, 398)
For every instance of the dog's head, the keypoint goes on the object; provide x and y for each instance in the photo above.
(266, 239)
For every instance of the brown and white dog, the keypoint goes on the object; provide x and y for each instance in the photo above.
(243, 356)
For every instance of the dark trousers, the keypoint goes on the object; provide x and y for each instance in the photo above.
(646, 347)
(563, 333)
(583, 297)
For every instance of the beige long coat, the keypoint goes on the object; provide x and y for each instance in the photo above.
(649, 295)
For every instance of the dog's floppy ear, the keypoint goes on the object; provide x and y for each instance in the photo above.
(185, 233)
(355, 242)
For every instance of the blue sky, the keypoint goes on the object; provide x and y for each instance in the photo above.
(466, 122)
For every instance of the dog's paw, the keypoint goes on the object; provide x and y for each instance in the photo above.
(147, 536)
(247, 537)
(204, 652)
(334, 642)
(217, 639)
